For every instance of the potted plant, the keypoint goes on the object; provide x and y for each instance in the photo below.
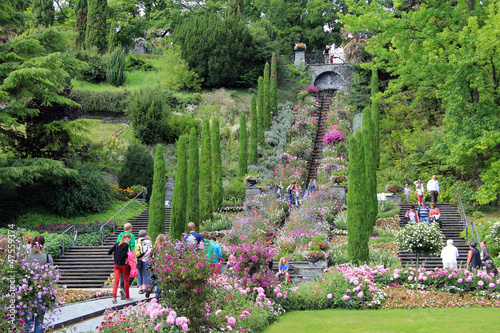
(137, 189)
(394, 188)
(300, 47)
(252, 179)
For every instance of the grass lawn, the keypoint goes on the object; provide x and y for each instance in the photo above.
(397, 320)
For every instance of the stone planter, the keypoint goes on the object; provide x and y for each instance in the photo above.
(394, 198)
(339, 194)
(252, 191)
(300, 57)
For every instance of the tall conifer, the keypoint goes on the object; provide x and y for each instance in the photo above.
(80, 22)
(243, 155)
(260, 111)
(274, 87)
(217, 188)
(95, 34)
(43, 12)
(156, 224)
(193, 194)
(206, 173)
(375, 114)
(370, 171)
(267, 97)
(178, 215)
(252, 156)
(356, 215)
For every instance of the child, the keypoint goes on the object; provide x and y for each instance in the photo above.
(420, 194)
(120, 251)
(280, 190)
(407, 193)
(283, 270)
(297, 190)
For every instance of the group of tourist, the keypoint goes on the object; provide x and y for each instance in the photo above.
(432, 189)
(424, 213)
(475, 258)
(294, 191)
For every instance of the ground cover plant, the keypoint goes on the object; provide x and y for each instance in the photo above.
(74, 296)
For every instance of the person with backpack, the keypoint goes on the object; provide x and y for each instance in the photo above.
(215, 252)
(143, 249)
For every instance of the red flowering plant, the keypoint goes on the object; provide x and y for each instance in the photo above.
(394, 188)
(183, 272)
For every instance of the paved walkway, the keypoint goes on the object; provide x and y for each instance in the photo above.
(85, 316)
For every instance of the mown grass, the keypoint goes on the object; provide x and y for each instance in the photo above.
(102, 131)
(396, 320)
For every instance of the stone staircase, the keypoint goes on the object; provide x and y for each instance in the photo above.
(90, 266)
(302, 271)
(451, 228)
(325, 97)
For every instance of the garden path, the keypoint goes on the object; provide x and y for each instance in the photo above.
(451, 228)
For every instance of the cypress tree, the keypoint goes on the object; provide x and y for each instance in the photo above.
(193, 180)
(243, 155)
(260, 111)
(80, 22)
(356, 215)
(113, 42)
(274, 87)
(115, 71)
(205, 174)
(267, 96)
(252, 157)
(178, 215)
(217, 188)
(370, 171)
(375, 113)
(43, 12)
(156, 224)
(95, 34)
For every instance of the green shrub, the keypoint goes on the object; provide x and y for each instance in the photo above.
(101, 101)
(235, 190)
(175, 126)
(133, 63)
(137, 169)
(115, 69)
(85, 193)
(97, 63)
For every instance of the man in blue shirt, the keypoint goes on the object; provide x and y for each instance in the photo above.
(193, 237)
(216, 252)
(423, 212)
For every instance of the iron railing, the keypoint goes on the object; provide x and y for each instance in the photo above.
(323, 59)
(75, 233)
(474, 236)
(113, 218)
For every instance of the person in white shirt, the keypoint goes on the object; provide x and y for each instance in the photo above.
(433, 188)
(449, 254)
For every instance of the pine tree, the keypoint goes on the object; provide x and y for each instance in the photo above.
(206, 174)
(267, 97)
(260, 111)
(243, 155)
(156, 224)
(217, 188)
(193, 180)
(115, 71)
(95, 34)
(375, 115)
(370, 171)
(80, 22)
(43, 12)
(178, 215)
(356, 215)
(274, 87)
(252, 156)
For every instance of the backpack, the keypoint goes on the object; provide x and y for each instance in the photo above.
(139, 249)
(289, 189)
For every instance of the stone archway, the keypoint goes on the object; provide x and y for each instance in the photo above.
(329, 80)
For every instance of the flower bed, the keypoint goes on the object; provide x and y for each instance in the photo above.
(75, 296)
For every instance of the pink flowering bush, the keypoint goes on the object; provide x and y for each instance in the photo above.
(26, 289)
(333, 137)
(183, 272)
(145, 318)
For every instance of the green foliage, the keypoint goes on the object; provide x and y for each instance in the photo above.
(80, 22)
(273, 90)
(106, 100)
(375, 115)
(156, 224)
(219, 51)
(115, 71)
(84, 193)
(356, 203)
(235, 191)
(206, 173)
(217, 188)
(43, 12)
(175, 126)
(178, 223)
(243, 154)
(95, 71)
(95, 34)
(267, 97)
(193, 180)
(133, 63)
(137, 168)
(178, 75)
(261, 118)
(252, 155)
(369, 143)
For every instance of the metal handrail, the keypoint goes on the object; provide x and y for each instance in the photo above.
(113, 217)
(475, 235)
(465, 222)
(65, 231)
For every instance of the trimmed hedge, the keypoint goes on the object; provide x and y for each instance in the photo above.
(101, 101)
